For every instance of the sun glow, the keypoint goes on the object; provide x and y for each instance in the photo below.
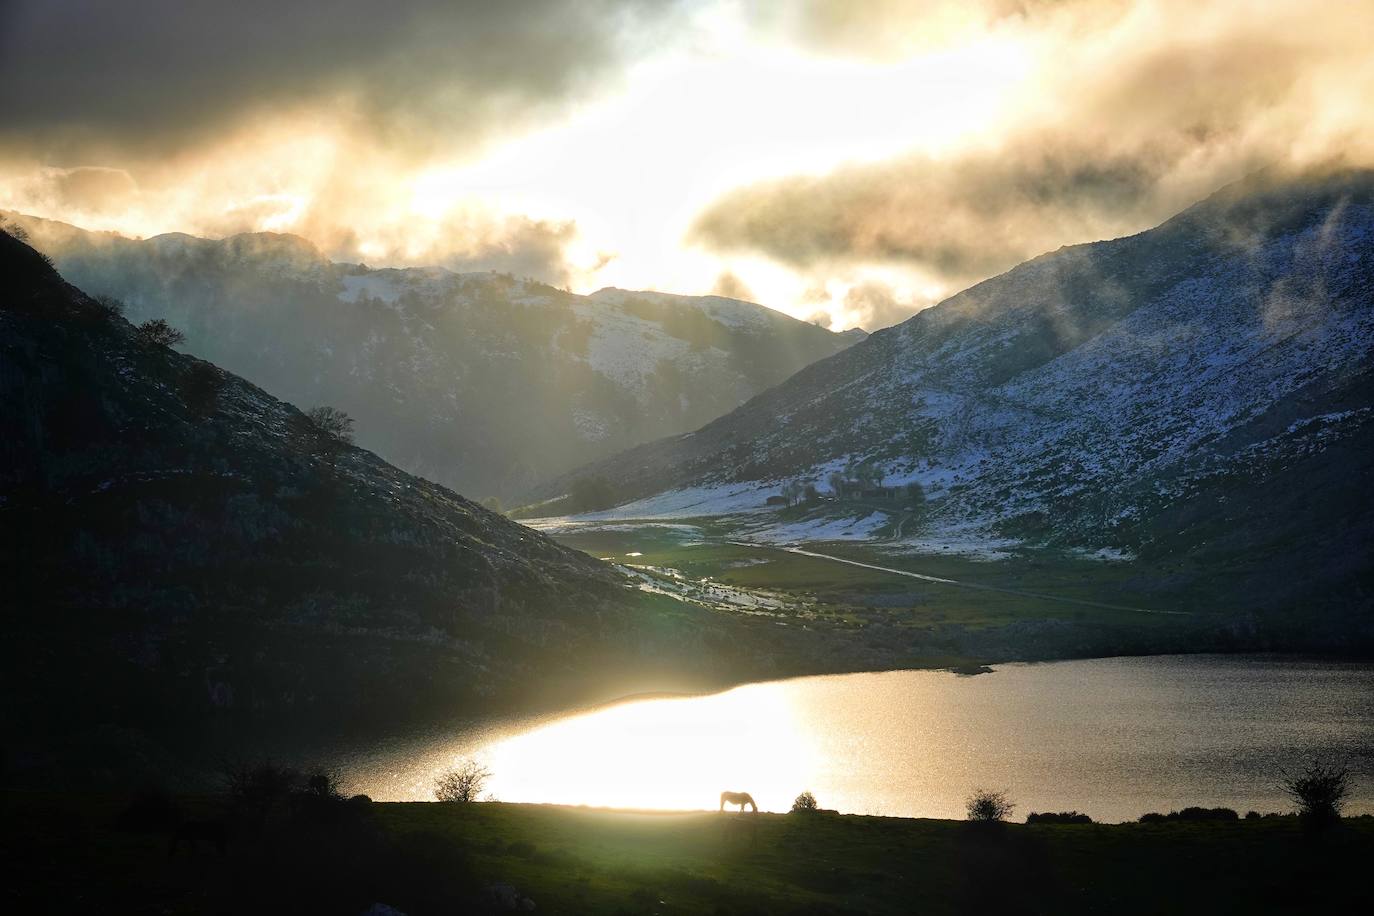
(660, 754)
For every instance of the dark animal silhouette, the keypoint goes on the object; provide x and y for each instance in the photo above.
(738, 798)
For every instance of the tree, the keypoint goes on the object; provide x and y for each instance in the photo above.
(462, 783)
(986, 807)
(867, 475)
(915, 494)
(157, 331)
(791, 491)
(1320, 792)
(805, 803)
(331, 424)
(109, 307)
(836, 481)
(810, 493)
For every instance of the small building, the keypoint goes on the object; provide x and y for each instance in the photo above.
(776, 501)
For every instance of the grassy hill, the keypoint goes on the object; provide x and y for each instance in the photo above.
(441, 858)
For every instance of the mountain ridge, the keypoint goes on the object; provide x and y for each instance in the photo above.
(1083, 397)
(429, 361)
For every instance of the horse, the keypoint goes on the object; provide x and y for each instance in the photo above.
(738, 798)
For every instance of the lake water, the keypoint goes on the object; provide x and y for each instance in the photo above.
(1113, 738)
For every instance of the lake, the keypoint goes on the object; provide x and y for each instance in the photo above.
(1113, 738)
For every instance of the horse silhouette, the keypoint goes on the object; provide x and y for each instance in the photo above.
(738, 798)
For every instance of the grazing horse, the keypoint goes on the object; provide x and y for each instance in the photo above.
(738, 798)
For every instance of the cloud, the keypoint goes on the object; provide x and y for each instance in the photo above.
(1137, 111)
(732, 287)
(890, 29)
(872, 305)
(84, 79)
(471, 241)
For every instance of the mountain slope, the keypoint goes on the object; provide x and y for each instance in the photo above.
(178, 547)
(1203, 386)
(479, 381)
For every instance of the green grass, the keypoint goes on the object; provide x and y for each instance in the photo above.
(434, 858)
(857, 594)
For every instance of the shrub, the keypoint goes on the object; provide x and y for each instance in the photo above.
(1058, 817)
(804, 803)
(156, 331)
(1320, 792)
(462, 783)
(323, 784)
(257, 789)
(1192, 813)
(331, 423)
(109, 307)
(986, 807)
(1195, 813)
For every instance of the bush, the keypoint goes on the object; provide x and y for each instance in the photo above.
(331, 424)
(1192, 813)
(109, 307)
(157, 332)
(323, 784)
(804, 803)
(1320, 792)
(1058, 817)
(462, 783)
(986, 807)
(257, 789)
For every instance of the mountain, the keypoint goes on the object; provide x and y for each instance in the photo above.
(1199, 390)
(178, 547)
(482, 382)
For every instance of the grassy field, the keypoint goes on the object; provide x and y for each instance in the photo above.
(67, 854)
(699, 550)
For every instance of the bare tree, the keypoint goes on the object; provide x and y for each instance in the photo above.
(158, 332)
(462, 783)
(109, 307)
(1320, 792)
(836, 481)
(986, 807)
(331, 424)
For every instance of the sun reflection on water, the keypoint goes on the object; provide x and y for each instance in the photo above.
(677, 753)
(1113, 737)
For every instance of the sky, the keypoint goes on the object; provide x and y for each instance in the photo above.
(849, 162)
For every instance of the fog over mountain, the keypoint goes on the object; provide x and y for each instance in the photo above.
(483, 382)
(1202, 389)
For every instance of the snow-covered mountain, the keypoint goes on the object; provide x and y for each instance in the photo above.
(1205, 385)
(483, 382)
